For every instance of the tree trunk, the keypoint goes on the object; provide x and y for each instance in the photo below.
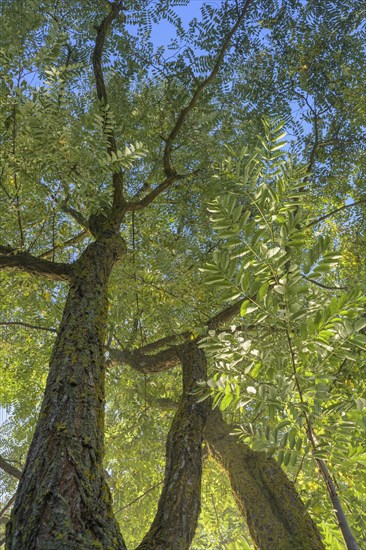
(179, 506)
(268, 501)
(63, 501)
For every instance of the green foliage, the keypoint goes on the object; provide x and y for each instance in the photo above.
(295, 355)
(303, 62)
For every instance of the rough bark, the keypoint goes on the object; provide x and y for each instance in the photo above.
(63, 501)
(23, 261)
(268, 501)
(180, 501)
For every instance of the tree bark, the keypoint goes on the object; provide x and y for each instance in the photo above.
(179, 505)
(63, 501)
(268, 501)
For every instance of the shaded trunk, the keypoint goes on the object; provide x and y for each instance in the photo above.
(268, 501)
(179, 505)
(63, 501)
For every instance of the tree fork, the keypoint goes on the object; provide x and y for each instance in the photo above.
(63, 501)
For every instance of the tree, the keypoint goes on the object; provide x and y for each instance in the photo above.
(109, 148)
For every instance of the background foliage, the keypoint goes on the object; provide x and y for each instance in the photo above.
(244, 216)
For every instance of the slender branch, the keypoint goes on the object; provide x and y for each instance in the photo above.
(170, 172)
(148, 199)
(70, 242)
(337, 506)
(331, 489)
(140, 497)
(117, 177)
(183, 115)
(322, 218)
(78, 217)
(324, 286)
(7, 505)
(9, 468)
(23, 261)
(16, 184)
(28, 325)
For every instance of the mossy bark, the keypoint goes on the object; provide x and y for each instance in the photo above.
(275, 515)
(179, 505)
(63, 501)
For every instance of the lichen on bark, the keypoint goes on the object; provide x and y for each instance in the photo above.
(63, 501)
(275, 515)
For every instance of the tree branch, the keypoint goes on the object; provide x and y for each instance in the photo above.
(170, 172)
(140, 497)
(7, 505)
(183, 115)
(78, 217)
(70, 242)
(147, 364)
(117, 177)
(23, 261)
(9, 468)
(28, 325)
(322, 218)
(167, 358)
(148, 199)
(324, 286)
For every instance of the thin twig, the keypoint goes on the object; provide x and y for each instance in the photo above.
(140, 497)
(322, 218)
(27, 325)
(324, 286)
(70, 242)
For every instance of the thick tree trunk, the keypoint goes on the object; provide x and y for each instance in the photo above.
(271, 507)
(179, 506)
(63, 501)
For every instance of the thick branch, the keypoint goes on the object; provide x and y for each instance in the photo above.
(166, 341)
(147, 364)
(9, 468)
(179, 504)
(23, 261)
(225, 315)
(167, 358)
(118, 199)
